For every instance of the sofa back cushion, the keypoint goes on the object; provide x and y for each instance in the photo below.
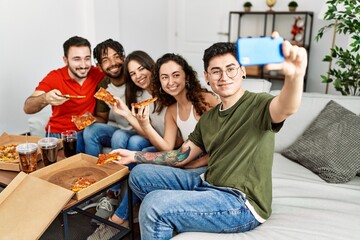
(311, 106)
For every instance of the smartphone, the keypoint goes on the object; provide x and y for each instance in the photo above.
(259, 51)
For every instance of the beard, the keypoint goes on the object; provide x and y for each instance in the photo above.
(79, 72)
(111, 74)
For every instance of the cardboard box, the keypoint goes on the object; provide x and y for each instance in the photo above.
(28, 205)
(10, 139)
(65, 172)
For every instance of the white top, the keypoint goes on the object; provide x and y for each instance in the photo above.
(186, 127)
(157, 120)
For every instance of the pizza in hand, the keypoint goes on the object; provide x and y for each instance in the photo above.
(82, 183)
(144, 103)
(104, 158)
(105, 96)
(83, 121)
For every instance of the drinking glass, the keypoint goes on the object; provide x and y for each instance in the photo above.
(49, 149)
(69, 139)
(28, 156)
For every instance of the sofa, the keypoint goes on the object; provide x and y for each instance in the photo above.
(305, 206)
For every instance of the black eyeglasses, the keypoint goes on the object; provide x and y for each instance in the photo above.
(216, 74)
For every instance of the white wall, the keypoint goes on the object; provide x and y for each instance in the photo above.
(32, 34)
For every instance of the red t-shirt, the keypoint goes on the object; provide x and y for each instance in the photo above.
(61, 80)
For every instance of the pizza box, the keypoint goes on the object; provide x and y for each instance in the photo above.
(10, 139)
(26, 212)
(65, 172)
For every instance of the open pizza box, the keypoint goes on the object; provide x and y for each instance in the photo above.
(6, 139)
(31, 202)
(28, 205)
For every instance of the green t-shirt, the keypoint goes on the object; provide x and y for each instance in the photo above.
(240, 144)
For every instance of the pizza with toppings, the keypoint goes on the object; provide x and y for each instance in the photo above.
(107, 157)
(105, 96)
(8, 153)
(83, 121)
(82, 183)
(144, 103)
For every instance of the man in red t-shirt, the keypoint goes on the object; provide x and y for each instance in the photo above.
(77, 78)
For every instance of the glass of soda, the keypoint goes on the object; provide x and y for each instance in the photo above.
(28, 156)
(49, 149)
(69, 138)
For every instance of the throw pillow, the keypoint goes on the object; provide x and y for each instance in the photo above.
(330, 147)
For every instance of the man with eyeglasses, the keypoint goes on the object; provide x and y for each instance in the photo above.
(235, 193)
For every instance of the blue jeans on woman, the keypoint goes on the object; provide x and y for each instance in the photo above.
(99, 135)
(174, 199)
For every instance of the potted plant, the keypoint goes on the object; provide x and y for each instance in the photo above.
(292, 6)
(345, 75)
(247, 6)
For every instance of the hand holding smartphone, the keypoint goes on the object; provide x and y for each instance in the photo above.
(259, 51)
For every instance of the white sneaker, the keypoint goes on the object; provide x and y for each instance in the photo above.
(105, 208)
(103, 232)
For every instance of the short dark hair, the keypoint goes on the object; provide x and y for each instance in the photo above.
(101, 49)
(77, 42)
(217, 49)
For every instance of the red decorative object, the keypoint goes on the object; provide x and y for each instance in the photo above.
(297, 30)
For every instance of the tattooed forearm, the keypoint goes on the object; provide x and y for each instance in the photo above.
(164, 158)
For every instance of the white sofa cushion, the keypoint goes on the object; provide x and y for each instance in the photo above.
(256, 85)
(37, 123)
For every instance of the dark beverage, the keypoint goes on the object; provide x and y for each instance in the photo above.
(49, 149)
(69, 147)
(49, 154)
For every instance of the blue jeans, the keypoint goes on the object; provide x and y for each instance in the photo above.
(80, 144)
(99, 135)
(177, 200)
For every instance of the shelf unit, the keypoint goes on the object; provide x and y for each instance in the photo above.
(265, 24)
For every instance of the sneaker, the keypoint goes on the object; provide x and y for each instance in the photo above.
(83, 206)
(104, 209)
(103, 232)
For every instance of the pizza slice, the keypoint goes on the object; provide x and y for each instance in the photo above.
(82, 183)
(83, 121)
(104, 158)
(105, 96)
(144, 103)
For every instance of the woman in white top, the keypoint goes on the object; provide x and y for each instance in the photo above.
(177, 87)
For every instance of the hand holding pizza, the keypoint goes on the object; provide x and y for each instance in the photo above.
(121, 108)
(127, 156)
(54, 97)
(142, 114)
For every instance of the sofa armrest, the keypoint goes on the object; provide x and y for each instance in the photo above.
(256, 85)
(37, 123)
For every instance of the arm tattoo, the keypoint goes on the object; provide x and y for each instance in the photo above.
(164, 158)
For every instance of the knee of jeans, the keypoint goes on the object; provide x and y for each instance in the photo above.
(149, 209)
(89, 131)
(135, 177)
(119, 139)
(137, 143)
